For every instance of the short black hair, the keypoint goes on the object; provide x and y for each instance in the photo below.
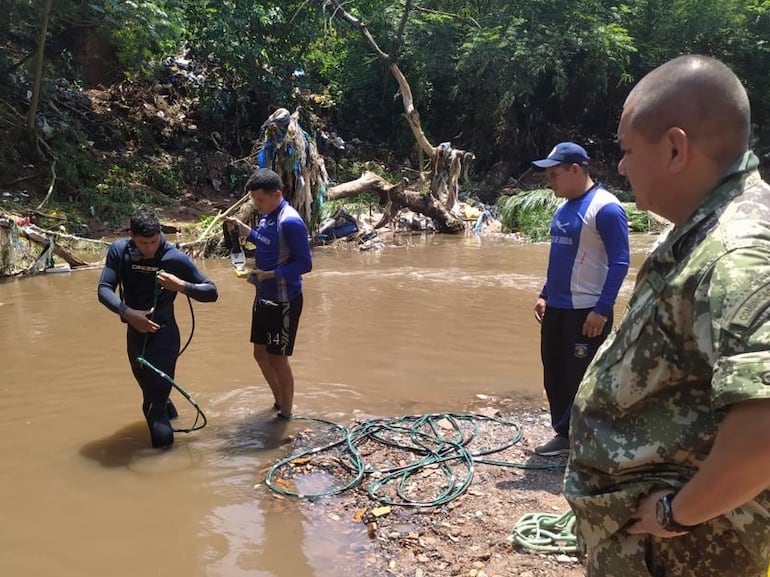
(144, 222)
(699, 94)
(265, 179)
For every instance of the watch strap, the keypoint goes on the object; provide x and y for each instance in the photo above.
(669, 524)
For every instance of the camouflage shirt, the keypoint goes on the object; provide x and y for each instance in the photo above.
(695, 340)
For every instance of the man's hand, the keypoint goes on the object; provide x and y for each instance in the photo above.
(645, 519)
(594, 325)
(243, 228)
(140, 320)
(263, 274)
(170, 282)
(539, 309)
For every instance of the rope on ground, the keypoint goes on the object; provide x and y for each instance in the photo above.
(546, 533)
(437, 443)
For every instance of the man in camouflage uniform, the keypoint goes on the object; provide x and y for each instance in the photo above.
(670, 430)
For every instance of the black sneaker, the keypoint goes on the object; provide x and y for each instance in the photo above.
(556, 447)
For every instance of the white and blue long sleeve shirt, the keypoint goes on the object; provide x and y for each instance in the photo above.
(283, 247)
(589, 254)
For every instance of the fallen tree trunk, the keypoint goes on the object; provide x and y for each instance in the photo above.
(428, 205)
(398, 197)
(367, 182)
(31, 234)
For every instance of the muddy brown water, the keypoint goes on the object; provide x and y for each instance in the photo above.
(420, 327)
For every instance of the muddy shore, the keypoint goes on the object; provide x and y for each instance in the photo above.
(470, 534)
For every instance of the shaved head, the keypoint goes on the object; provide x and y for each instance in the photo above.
(699, 95)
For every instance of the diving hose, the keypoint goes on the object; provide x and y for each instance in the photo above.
(199, 414)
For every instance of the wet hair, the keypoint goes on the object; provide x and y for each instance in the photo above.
(700, 95)
(265, 179)
(144, 222)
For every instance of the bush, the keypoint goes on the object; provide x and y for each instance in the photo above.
(529, 213)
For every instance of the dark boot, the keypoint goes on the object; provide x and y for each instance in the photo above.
(171, 410)
(161, 433)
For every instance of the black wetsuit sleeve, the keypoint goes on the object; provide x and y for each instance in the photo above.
(197, 285)
(109, 279)
(205, 292)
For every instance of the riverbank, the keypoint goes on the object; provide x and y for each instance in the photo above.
(467, 536)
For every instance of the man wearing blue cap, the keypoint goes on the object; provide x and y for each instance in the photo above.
(587, 264)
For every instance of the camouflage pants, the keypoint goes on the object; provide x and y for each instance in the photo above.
(709, 551)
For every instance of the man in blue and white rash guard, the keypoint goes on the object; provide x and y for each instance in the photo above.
(282, 257)
(587, 264)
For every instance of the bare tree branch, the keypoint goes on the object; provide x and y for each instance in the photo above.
(412, 116)
(50, 188)
(206, 234)
(305, 3)
(39, 58)
(447, 162)
(398, 38)
(360, 26)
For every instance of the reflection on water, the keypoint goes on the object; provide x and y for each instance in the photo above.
(416, 328)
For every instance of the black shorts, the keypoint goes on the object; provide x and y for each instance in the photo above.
(275, 324)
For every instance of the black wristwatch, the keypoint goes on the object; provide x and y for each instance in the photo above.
(665, 517)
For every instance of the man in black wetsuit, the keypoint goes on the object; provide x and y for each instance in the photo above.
(148, 271)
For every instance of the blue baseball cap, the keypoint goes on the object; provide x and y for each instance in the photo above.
(564, 153)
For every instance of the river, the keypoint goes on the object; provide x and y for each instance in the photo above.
(419, 327)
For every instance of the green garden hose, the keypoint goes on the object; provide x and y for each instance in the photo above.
(546, 533)
(439, 441)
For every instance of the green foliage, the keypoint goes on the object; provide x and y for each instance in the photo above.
(503, 78)
(119, 194)
(233, 35)
(162, 179)
(113, 195)
(641, 220)
(143, 30)
(551, 63)
(76, 169)
(529, 213)
(206, 220)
